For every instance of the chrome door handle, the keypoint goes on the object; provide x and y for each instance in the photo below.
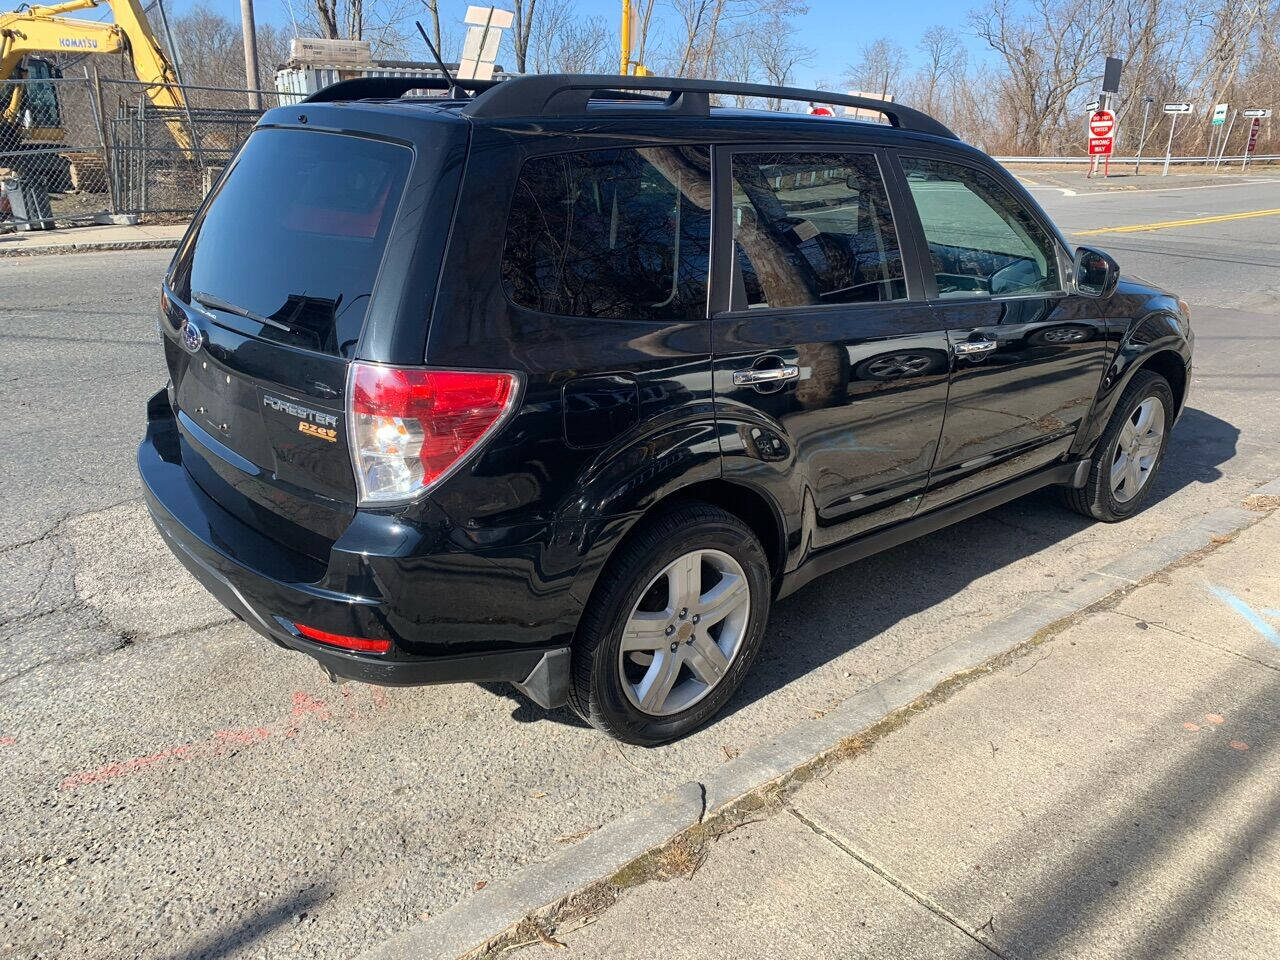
(758, 375)
(969, 348)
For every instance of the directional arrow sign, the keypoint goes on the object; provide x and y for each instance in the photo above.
(1257, 112)
(1177, 108)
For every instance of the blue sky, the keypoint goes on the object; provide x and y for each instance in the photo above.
(834, 29)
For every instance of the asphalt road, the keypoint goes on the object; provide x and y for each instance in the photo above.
(177, 787)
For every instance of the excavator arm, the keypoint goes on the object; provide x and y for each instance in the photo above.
(45, 29)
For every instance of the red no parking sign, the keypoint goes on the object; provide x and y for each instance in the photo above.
(1102, 133)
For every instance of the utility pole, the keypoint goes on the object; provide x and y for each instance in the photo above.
(250, 54)
(626, 38)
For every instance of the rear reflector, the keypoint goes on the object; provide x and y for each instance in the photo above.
(361, 644)
(411, 427)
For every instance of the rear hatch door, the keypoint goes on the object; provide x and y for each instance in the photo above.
(264, 311)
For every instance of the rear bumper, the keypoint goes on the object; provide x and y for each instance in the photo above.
(232, 561)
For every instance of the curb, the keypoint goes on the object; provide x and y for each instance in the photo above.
(503, 904)
(500, 905)
(55, 249)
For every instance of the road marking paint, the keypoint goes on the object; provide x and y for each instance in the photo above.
(1250, 616)
(1190, 222)
(1188, 725)
(1111, 193)
(1065, 191)
(1125, 191)
(1215, 718)
(218, 745)
(8, 741)
(1239, 745)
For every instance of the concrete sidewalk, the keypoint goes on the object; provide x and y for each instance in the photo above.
(1110, 793)
(89, 239)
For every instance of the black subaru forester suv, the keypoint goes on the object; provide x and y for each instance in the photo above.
(564, 380)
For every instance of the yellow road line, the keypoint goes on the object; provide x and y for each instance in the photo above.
(1166, 224)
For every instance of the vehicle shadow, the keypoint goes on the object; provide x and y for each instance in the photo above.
(222, 943)
(846, 608)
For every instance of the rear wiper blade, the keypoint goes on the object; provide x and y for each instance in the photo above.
(226, 306)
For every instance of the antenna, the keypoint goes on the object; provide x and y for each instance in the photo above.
(455, 91)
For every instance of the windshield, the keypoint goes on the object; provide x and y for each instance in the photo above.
(290, 247)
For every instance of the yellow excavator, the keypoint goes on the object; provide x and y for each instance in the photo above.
(29, 111)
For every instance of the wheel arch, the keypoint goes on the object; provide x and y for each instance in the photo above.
(1170, 365)
(1158, 343)
(752, 506)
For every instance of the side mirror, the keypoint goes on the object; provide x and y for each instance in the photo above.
(1096, 273)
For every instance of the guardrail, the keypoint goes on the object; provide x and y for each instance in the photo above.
(1236, 158)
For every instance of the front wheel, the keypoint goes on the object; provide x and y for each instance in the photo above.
(673, 626)
(1127, 458)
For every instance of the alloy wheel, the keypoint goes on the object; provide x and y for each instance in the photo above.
(684, 632)
(1137, 450)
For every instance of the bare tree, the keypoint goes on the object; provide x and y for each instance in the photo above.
(212, 53)
(386, 24)
(1047, 56)
(561, 41)
(433, 8)
(703, 25)
(944, 60)
(778, 51)
(879, 67)
(644, 22)
(522, 29)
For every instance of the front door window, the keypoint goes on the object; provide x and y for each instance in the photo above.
(982, 242)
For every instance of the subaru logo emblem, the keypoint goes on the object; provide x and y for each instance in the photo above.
(192, 336)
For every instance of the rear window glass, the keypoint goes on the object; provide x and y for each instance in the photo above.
(295, 235)
(617, 234)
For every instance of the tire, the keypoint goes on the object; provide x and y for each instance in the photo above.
(1099, 498)
(608, 684)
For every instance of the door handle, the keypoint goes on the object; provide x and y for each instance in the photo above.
(758, 375)
(971, 348)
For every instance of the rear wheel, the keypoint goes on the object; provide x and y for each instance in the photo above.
(672, 628)
(1128, 456)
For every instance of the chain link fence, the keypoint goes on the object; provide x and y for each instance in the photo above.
(163, 161)
(52, 161)
(78, 150)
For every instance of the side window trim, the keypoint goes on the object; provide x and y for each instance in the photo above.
(723, 299)
(928, 279)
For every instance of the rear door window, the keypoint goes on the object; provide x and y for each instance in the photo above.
(813, 228)
(982, 241)
(296, 235)
(615, 234)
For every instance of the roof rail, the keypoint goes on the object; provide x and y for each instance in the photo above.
(569, 95)
(391, 88)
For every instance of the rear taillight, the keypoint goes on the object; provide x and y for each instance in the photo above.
(411, 427)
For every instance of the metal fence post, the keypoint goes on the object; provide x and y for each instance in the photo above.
(144, 160)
